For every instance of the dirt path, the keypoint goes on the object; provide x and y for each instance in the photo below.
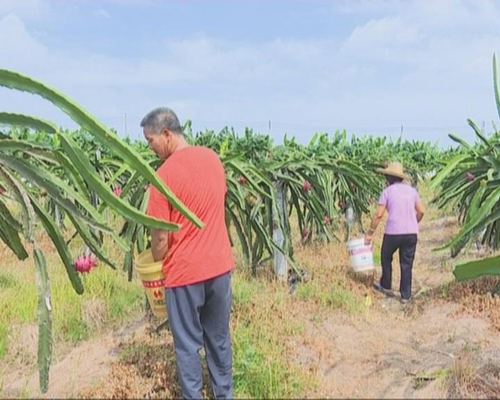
(390, 351)
(400, 351)
(74, 369)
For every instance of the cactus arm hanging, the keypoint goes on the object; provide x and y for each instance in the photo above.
(13, 80)
(477, 268)
(43, 287)
(27, 121)
(56, 188)
(44, 320)
(56, 237)
(120, 206)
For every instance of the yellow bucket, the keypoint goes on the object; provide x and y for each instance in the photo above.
(151, 274)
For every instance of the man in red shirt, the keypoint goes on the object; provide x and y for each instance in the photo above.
(196, 262)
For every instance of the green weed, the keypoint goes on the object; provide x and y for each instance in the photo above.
(305, 291)
(261, 364)
(331, 297)
(4, 332)
(7, 281)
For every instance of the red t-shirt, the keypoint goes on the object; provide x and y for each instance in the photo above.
(196, 176)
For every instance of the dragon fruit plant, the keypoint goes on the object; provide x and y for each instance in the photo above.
(63, 172)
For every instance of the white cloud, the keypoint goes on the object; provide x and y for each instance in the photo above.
(101, 13)
(27, 9)
(376, 36)
(17, 46)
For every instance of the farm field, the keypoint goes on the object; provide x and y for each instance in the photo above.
(333, 336)
(74, 322)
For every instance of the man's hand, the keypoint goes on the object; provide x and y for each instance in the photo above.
(159, 244)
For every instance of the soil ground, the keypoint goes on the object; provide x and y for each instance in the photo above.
(392, 351)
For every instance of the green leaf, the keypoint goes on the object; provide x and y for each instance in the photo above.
(55, 235)
(72, 173)
(478, 268)
(27, 121)
(44, 320)
(478, 132)
(57, 189)
(21, 145)
(448, 169)
(476, 221)
(92, 243)
(496, 87)
(459, 140)
(85, 168)
(108, 138)
(245, 244)
(10, 233)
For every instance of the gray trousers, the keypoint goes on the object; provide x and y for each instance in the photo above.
(199, 315)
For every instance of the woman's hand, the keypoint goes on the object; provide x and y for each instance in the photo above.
(368, 238)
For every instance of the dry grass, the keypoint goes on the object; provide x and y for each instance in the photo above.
(146, 370)
(469, 380)
(480, 297)
(94, 313)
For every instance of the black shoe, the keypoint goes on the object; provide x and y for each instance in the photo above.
(387, 292)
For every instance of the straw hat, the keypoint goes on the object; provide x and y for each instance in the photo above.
(393, 169)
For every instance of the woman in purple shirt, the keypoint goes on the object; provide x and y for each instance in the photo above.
(405, 210)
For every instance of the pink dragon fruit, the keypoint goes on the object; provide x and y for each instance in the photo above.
(117, 191)
(85, 263)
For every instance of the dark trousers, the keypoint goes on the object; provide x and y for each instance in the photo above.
(199, 315)
(406, 244)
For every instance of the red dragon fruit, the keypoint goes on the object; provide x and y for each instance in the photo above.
(117, 191)
(85, 263)
(306, 186)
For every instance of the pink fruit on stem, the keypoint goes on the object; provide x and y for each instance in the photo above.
(85, 263)
(327, 220)
(117, 190)
(469, 176)
(242, 180)
(306, 186)
(305, 233)
(341, 203)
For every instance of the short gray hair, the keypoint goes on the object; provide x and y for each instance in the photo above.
(160, 118)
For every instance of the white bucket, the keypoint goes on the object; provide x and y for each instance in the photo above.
(360, 255)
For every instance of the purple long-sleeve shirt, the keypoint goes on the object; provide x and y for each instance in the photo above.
(400, 200)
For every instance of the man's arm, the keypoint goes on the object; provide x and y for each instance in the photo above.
(159, 244)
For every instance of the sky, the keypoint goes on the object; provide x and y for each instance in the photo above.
(411, 68)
